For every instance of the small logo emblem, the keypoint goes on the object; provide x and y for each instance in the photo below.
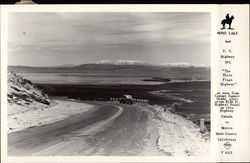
(228, 21)
(227, 145)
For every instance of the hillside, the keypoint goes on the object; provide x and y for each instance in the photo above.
(28, 106)
(23, 95)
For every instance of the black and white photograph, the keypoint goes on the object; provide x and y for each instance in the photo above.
(108, 84)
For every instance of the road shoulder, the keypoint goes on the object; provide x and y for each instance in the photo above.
(59, 110)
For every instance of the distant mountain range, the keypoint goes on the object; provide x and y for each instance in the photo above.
(135, 62)
(122, 62)
(124, 67)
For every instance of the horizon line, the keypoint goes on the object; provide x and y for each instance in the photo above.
(174, 64)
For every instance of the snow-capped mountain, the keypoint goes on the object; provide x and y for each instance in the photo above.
(131, 62)
(122, 62)
(136, 62)
(182, 64)
(23, 95)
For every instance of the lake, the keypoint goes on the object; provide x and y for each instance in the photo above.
(87, 78)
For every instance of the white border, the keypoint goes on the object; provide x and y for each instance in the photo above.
(101, 8)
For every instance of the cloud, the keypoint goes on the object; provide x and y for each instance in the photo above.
(138, 28)
(108, 33)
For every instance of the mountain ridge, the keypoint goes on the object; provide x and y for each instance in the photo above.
(121, 62)
(148, 71)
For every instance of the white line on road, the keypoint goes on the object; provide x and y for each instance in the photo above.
(97, 126)
(102, 123)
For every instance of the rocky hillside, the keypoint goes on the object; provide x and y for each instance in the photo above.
(24, 96)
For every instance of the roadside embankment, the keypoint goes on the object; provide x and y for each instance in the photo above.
(57, 111)
(179, 136)
(28, 106)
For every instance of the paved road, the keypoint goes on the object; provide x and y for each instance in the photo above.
(110, 130)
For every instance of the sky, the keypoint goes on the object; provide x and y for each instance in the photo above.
(52, 39)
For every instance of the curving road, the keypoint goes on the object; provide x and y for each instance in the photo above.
(108, 130)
